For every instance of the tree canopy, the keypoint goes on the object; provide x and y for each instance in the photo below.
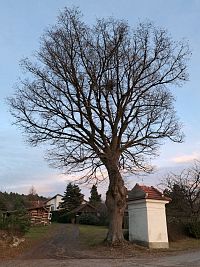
(184, 190)
(14, 201)
(99, 96)
(95, 197)
(72, 197)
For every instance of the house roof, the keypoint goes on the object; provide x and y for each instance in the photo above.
(37, 203)
(146, 192)
(82, 207)
(53, 197)
(39, 207)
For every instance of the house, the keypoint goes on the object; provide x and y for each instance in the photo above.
(85, 208)
(40, 215)
(54, 202)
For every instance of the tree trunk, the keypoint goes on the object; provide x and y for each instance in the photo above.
(116, 204)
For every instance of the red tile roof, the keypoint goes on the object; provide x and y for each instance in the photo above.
(146, 192)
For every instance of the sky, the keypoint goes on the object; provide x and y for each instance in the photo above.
(22, 23)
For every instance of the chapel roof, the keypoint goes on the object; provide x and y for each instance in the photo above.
(146, 192)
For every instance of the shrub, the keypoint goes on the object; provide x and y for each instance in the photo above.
(61, 216)
(194, 229)
(103, 219)
(21, 222)
(176, 229)
(56, 215)
(1, 221)
(65, 218)
(16, 222)
(89, 219)
(102, 215)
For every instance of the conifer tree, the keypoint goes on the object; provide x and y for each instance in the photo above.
(2, 205)
(95, 198)
(72, 197)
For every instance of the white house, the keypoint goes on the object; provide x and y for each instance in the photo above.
(147, 218)
(54, 202)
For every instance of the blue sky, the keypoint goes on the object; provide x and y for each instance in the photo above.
(21, 25)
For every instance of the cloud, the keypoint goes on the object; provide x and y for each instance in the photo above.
(186, 158)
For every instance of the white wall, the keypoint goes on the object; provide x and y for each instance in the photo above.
(157, 226)
(138, 228)
(54, 202)
(147, 223)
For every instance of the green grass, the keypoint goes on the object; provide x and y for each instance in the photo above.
(92, 235)
(37, 232)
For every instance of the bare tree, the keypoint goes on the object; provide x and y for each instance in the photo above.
(98, 95)
(32, 195)
(184, 189)
(32, 191)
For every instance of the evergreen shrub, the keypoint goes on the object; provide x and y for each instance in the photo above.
(65, 218)
(16, 222)
(194, 229)
(89, 219)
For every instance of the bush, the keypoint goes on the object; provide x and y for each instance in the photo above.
(103, 219)
(89, 219)
(65, 218)
(1, 221)
(102, 215)
(56, 215)
(176, 229)
(193, 229)
(16, 222)
(61, 216)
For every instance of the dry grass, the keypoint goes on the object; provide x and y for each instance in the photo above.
(33, 236)
(184, 244)
(93, 237)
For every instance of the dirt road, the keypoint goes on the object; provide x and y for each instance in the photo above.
(64, 249)
(63, 244)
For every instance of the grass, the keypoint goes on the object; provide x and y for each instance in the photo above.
(184, 244)
(34, 235)
(38, 232)
(92, 235)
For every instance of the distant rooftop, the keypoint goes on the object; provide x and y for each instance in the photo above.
(53, 197)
